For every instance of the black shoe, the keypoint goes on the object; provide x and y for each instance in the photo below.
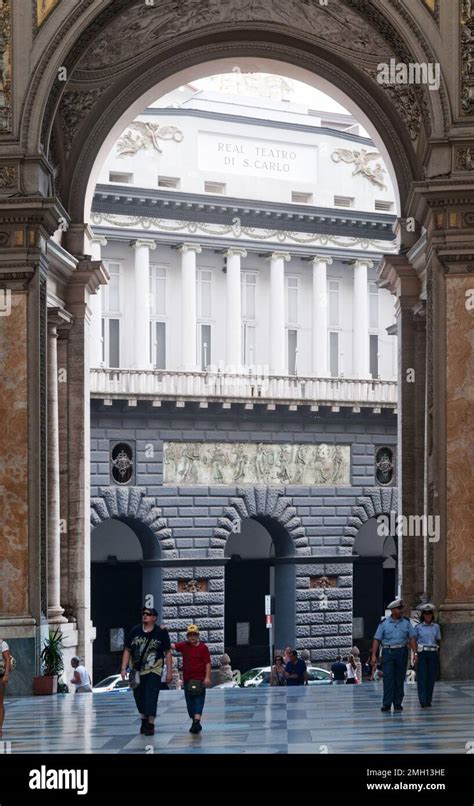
(149, 729)
(428, 705)
(196, 727)
(422, 705)
(143, 726)
(398, 707)
(385, 708)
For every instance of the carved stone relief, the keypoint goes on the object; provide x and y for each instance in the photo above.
(467, 57)
(361, 160)
(146, 136)
(269, 464)
(7, 176)
(323, 582)
(192, 585)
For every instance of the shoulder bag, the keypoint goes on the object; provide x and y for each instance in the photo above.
(194, 687)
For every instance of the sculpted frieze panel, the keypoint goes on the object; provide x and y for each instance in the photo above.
(250, 463)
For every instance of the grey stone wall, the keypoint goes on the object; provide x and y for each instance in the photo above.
(193, 514)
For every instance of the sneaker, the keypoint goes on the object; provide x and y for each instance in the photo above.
(398, 707)
(193, 726)
(196, 727)
(143, 725)
(149, 729)
(385, 708)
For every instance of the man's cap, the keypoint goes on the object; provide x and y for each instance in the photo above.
(394, 604)
(192, 629)
(150, 610)
(427, 608)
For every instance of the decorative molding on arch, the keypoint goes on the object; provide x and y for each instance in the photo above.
(270, 502)
(132, 503)
(373, 502)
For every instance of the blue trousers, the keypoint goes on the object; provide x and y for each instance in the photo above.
(194, 703)
(426, 673)
(394, 664)
(146, 694)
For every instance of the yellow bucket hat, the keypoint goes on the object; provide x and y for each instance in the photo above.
(192, 629)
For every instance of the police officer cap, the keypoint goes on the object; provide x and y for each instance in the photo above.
(395, 603)
(427, 608)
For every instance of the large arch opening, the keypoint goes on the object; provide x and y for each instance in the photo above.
(375, 580)
(256, 568)
(123, 577)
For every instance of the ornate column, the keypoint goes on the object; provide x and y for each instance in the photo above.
(320, 316)
(277, 312)
(84, 282)
(96, 244)
(234, 308)
(56, 317)
(188, 252)
(142, 357)
(360, 320)
(405, 285)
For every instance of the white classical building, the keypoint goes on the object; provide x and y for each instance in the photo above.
(242, 233)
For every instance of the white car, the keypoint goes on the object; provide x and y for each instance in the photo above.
(260, 676)
(113, 683)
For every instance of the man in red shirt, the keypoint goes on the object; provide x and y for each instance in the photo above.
(196, 674)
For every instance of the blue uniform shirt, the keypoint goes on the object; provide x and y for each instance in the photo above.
(390, 631)
(427, 634)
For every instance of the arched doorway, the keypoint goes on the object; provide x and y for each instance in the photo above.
(375, 580)
(256, 568)
(125, 574)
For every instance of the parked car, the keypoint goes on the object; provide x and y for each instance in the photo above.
(260, 676)
(113, 683)
(229, 684)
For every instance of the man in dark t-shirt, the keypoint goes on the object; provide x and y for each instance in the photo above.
(295, 671)
(147, 648)
(339, 671)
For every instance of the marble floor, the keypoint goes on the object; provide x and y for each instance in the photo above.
(318, 719)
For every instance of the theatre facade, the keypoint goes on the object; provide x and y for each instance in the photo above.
(243, 382)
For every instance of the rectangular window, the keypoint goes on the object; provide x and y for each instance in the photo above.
(292, 300)
(383, 206)
(114, 343)
(158, 290)
(333, 299)
(206, 358)
(373, 305)
(111, 292)
(249, 357)
(374, 356)
(334, 354)
(249, 295)
(169, 182)
(158, 344)
(292, 352)
(205, 293)
(301, 198)
(120, 179)
(215, 187)
(343, 201)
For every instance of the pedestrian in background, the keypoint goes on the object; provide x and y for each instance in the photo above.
(295, 671)
(278, 677)
(338, 671)
(427, 637)
(351, 669)
(81, 677)
(196, 674)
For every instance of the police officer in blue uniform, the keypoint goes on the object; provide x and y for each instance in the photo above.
(428, 637)
(394, 633)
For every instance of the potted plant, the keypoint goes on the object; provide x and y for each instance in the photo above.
(52, 661)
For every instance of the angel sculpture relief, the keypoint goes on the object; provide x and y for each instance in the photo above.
(146, 135)
(361, 161)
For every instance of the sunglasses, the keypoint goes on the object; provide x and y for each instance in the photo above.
(146, 613)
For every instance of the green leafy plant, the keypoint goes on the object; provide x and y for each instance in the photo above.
(52, 654)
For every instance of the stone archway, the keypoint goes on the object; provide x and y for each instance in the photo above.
(373, 502)
(265, 503)
(44, 184)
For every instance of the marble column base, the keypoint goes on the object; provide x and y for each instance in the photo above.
(457, 645)
(55, 615)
